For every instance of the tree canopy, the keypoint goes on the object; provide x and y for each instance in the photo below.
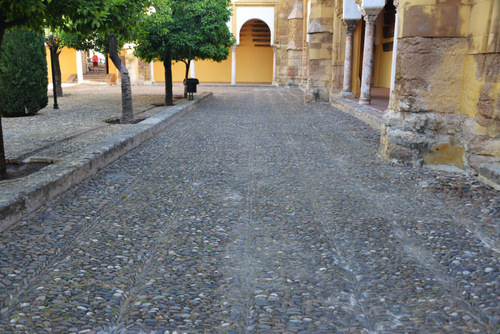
(193, 29)
(105, 25)
(114, 19)
(188, 30)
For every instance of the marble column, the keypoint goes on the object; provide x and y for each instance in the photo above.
(233, 65)
(366, 78)
(152, 71)
(394, 49)
(191, 69)
(347, 90)
(79, 66)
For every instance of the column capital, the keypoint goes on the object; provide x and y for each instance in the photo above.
(370, 14)
(350, 25)
(370, 18)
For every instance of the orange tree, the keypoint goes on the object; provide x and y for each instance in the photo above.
(110, 18)
(114, 23)
(184, 30)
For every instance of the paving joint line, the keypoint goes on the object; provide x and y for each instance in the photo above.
(446, 281)
(60, 252)
(161, 242)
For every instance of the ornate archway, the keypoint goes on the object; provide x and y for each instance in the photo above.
(255, 53)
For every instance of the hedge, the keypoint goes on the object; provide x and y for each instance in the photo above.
(23, 74)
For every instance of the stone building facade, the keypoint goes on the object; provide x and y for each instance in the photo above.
(438, 61)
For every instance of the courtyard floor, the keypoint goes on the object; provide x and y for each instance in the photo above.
(255, 213)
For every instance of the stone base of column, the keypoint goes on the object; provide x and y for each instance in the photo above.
(415, 138)
(364, 101)
(348, 95)
(316, 94)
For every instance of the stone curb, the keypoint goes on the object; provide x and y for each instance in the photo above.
(23, 196)
(369, 115)
(489, 173)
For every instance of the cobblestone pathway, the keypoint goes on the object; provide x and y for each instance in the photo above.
(257, 214)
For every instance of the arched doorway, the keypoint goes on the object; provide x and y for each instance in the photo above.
(254, 58)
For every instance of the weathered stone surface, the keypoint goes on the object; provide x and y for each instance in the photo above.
(429, 74)
(435, 138)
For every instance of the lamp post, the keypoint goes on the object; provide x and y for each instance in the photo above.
(51, 48)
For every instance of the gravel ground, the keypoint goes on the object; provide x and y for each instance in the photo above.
(257, 214)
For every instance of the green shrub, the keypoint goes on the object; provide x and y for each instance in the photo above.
(23, 74)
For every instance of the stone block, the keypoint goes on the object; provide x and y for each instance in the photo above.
(445, 153)
(451, 20)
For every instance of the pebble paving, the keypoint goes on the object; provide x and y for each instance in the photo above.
(257, 213)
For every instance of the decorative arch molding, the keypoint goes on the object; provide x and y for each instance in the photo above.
(245, 14)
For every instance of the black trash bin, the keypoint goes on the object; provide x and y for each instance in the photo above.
(191, 86)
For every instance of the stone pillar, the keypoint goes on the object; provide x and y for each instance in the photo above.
(304, 73)
(233, 65)
(320, 51)
(295, 44)
(427, 121)
(346, 90)
(366, 77)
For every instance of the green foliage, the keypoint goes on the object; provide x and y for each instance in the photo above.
(18, 12)
(89, 26)
(23, 74)
(192, 29)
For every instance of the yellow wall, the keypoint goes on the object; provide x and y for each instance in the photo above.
(357, 58)
(67, 61)
(210, 71)
(484, 26)
(112, 69)
(178, 71)
(481, 84)
(434, 18)
(254, 64)
(383, 59)
(205, 70)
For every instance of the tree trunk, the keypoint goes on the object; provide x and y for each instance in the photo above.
(186, 76)
(57, 74)
(167, 64)
(3, 162)
(127, 111)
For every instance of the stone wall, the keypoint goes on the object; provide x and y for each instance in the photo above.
(445, 105)
(338, 55)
